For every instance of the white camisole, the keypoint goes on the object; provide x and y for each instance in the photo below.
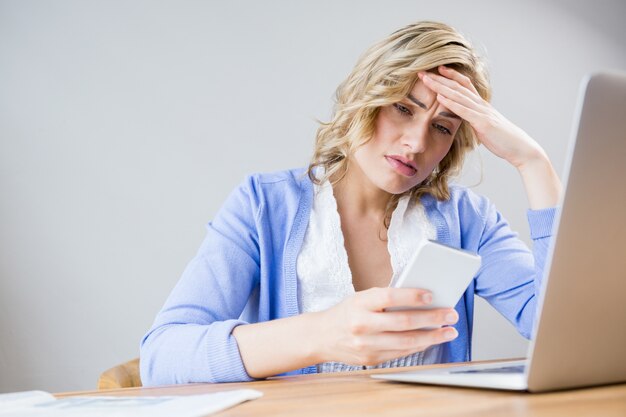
(324, 277)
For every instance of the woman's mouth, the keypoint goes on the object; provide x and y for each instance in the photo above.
(402, 165)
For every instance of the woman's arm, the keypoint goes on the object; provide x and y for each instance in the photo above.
(504, 139)
(510, 277)
(541, 182)
(357, 331)
(191, 338)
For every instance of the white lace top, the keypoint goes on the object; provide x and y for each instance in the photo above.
(324, 277)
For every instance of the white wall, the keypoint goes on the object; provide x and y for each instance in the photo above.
(124, 124)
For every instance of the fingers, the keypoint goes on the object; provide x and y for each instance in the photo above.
(417, 339)
(365, 333)
(455, 80)
(378, 299)
(376, 320)
(471, 115)
(398, 321)
(458, 77)
(375, 349)
(418, 319)
(452, 90)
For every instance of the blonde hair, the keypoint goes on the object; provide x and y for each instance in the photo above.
(383, 75)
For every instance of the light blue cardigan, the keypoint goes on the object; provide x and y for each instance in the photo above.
(245, 271)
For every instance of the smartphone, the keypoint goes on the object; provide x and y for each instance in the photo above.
(443, 270)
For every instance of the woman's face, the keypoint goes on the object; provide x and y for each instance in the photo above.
(411, 137)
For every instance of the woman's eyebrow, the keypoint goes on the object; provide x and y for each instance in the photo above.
(448, 114)
(417, 102)
(423, 106)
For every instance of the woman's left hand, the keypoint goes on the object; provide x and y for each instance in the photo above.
(456, 92)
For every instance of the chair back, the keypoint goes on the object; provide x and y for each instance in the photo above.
(125, 375)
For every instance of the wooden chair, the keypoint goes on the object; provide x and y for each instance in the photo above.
(125, 375)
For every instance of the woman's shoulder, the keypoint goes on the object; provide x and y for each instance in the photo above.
(287, 176)
(286, 186)
(463, 201)
(294, 180)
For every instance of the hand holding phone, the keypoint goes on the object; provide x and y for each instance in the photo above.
(443, 270)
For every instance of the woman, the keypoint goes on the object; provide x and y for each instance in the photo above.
(293, 274)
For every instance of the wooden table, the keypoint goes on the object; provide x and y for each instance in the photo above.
(356, 394)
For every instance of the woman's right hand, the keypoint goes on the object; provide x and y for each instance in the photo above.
(358, 331)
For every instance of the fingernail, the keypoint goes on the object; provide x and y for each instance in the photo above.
(427, 298)
(450, 334)
(451, 318)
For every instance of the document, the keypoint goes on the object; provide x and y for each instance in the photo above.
(40, 404)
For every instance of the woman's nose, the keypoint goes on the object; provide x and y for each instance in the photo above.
(415, 137)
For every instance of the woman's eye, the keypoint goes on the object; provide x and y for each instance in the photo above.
(402, 109)
(442, 129)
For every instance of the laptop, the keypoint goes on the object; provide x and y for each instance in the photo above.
(580, 331)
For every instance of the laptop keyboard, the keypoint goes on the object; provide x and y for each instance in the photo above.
(519, 369)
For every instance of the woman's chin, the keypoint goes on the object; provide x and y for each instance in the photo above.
(399, 187)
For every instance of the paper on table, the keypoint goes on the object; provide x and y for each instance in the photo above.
(96, 406)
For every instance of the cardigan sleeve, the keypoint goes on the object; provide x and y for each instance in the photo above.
(191, 339)
(510, 275)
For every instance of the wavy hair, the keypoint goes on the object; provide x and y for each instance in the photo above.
(383, 75)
